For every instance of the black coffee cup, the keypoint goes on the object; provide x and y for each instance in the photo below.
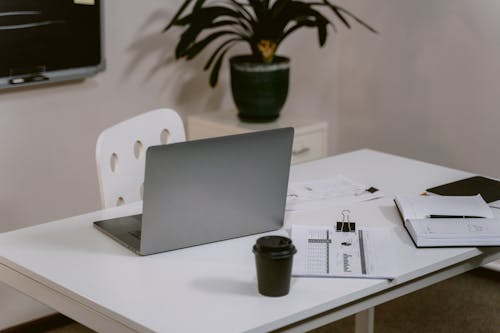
(273, 258)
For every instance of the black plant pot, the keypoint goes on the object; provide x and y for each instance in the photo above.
(259, 89)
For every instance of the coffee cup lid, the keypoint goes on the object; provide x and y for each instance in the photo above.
(274, 246)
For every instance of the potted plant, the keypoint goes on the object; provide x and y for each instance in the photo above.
(259, 80)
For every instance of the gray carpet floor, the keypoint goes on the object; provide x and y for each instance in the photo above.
(468, 303)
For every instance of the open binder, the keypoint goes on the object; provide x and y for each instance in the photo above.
(438, 221)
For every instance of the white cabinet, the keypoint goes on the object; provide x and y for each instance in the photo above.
(310, 140)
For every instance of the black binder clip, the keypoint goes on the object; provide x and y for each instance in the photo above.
(346, 225)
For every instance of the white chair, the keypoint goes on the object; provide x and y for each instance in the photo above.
(121, 150)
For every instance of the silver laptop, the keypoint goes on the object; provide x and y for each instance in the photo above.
(203, 191)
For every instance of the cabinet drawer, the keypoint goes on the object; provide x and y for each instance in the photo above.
(307, 147)
(310, 138)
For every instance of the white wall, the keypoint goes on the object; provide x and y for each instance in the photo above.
(428, 86)
(48, 134)
(425, 87)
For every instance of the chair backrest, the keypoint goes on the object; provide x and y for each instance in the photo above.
(121, 150)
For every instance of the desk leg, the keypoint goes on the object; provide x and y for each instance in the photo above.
(364, 321)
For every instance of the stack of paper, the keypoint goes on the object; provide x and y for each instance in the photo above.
(324, 252)
(449, 221)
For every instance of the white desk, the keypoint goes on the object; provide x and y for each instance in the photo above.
(72, 267)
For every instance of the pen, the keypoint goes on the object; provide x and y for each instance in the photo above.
(432, 216)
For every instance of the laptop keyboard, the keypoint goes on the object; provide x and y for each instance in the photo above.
(136, 233)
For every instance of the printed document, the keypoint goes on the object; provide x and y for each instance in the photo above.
(329, 192)
(324, 252)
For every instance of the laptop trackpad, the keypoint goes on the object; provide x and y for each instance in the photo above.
(125, 229)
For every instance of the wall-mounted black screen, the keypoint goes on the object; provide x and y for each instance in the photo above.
(47, 40)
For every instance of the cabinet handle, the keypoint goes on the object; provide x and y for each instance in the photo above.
(300, 151)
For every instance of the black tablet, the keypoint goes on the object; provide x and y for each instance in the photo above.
(487, 187)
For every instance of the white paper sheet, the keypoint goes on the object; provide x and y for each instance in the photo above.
(457, 228)
(324, 252)
(494, 204)
(420, 207)
(329, 192)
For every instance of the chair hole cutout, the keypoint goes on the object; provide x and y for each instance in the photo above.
(141, 190)
(138, 149)
(120, 201)
(113, 162)
(164, 136)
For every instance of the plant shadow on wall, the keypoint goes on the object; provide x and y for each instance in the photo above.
(259, 80)
(178, 81)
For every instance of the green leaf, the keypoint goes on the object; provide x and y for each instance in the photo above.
(258, 8)
(348, 13)
(218, 50)
(198, 5)
(181, 10)
(197, 47)
(206, 15)
(279, 6)
(214, 75)
(244, 12)
(179, 13)
(202, 20)
(300, 24)
(337, 12)
(299, 11)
